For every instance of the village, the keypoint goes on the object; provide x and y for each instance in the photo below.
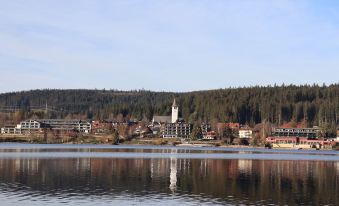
(166, 130)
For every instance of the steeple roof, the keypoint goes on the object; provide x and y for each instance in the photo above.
(174, 103)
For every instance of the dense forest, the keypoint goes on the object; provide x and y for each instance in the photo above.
(313, 105)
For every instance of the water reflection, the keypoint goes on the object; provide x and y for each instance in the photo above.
(173, 172)
(245, 166)
(219, 181)
(168, 179)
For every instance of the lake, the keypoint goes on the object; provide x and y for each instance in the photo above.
(150, 175)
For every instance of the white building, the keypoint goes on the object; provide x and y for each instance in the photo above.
(209, 135)
(55, 124)
(10, 130)
(30, 125)
(245, 133)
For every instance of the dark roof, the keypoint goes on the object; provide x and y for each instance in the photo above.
(162, 119)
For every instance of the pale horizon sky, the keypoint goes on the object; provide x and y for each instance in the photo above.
(167, 45)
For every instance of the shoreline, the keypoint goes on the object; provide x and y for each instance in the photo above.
(105, 140)
(178, 145)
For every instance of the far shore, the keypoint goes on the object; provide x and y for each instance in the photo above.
(143, 142)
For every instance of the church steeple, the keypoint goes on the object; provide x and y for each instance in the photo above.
(175, 112)
(174, 103)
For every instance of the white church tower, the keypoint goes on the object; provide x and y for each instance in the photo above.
(175, 112)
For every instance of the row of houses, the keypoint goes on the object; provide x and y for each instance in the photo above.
(165, 126)
(177, 129)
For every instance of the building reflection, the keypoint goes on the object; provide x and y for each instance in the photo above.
(316, 182)
(245, 166)
(173, 173)
(337, 166)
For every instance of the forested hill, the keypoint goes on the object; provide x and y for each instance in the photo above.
(279, 104)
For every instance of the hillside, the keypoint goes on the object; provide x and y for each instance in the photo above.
(315, 104)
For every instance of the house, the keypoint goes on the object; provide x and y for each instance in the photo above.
(231, 125)
(101, 126)
(245, 133)
(31, 125)
(156, 128)
(142, 131)
(10, 129)
(211, 135)
(228, 130)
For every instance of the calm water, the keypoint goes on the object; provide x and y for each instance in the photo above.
(131, 175)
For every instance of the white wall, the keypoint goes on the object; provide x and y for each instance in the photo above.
(175, 114)
(245, 133)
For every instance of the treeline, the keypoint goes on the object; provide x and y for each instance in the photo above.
(313, 105)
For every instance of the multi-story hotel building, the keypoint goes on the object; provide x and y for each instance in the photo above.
(296, 132)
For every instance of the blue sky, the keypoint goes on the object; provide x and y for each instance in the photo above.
(167, 45)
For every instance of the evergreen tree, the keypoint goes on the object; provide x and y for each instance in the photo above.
(196, 133)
